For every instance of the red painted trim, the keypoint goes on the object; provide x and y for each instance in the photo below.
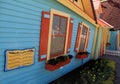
(58, 35)
(77, 38)
(44, 32)
(70, 34)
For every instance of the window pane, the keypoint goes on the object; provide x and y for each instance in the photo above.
(58, 36)
(84, 30)
(63, 23)
(55, 26)
(57, 45)
(83, 38)
(82, 44)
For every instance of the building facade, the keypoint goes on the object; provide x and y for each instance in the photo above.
(34, 31)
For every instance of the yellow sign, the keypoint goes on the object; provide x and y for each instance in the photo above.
(19, 58)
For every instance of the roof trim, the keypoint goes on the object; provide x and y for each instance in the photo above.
(104, 23)
(77, 11)
(95, 17)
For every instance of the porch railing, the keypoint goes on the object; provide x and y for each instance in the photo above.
(112, 52)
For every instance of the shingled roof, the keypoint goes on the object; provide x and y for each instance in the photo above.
(111, 12)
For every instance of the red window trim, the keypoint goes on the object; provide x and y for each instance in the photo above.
(58, 35)
(56, 55)
(77, 37)
(70, 35)
(43, 34)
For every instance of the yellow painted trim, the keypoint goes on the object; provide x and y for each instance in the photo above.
(94, 42)
(98, 42)
(75, 9)
(84, 24)
(104, 36)
(52, 12)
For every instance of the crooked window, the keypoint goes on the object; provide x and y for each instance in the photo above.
(82, 38)
(55, 34)
(58, 38)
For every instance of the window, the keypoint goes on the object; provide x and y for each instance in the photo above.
(55, 34)
(58, 35)
(77, 3)
(82, 38)
(76, 0)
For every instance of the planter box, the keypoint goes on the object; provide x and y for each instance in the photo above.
(78, 56)
(66, 62)
(108, 44)
(52, 67)
(57, 66)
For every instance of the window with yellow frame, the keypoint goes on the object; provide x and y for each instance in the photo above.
(58, 33)
(55, 34)
(82, 37)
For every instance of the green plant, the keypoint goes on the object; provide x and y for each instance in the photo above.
(52, 61)
(100, 71)
(70, 56)
(61, 58)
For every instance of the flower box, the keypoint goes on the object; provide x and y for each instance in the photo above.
(56, 63)
(108, 44)
(66, 62)
(82, 55)
(52, 67)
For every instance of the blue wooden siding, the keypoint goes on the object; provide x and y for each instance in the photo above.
(20, 22)
(113, 41)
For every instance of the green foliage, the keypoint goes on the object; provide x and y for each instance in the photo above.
(70, 56)
(98, 72)
(52, 61)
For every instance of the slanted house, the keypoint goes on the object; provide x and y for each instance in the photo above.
(111, 14)
(36, 34)
(103, 33)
